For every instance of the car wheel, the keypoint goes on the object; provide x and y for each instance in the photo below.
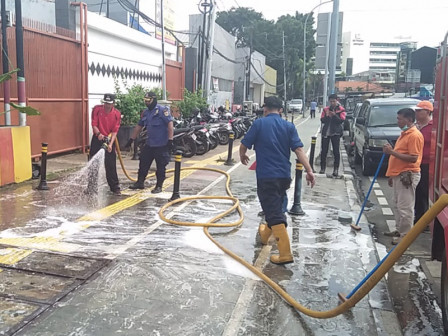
(366, 169)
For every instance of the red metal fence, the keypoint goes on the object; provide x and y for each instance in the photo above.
(56, 84)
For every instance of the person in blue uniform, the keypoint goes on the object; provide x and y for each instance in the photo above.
(273, 140)
(159, 123)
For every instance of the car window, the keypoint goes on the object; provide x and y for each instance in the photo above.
(296, 101)
(362, 112)
(385, 115)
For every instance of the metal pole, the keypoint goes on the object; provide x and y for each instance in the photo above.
(229, 161)
(21, 94)
(325, 94)
(312, 151)
(208, 72)
(297, 207)
(334, 44)
(201, 65)
(43, 168)
(177, 168)
(5, 60)
(107, 8)
(284, 73)
(304, 51)
(163, 52)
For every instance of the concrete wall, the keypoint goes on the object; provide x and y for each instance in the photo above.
(15, 155)
(270, 77)
(117, 50)
(222, 68)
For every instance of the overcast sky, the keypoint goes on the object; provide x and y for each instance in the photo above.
(424, 21)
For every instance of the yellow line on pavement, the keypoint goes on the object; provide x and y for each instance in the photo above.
(53, 243)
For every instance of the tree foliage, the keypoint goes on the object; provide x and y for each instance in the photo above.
(191, 100)
(130, 102)
(251, 28)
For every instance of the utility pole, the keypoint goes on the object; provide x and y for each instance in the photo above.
(163, 52)
(249, 65)
(327, 54)
(21, 93)
(208, 73)
(284, 70)
(334, 44)
(206, 7)
(6, 84)
(107, 8)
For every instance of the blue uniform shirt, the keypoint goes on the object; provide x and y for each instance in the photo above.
(273, 138)
(313, 105)
(156, 122)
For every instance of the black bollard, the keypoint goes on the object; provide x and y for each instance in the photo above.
(43, 168)
(177, 166)
(292, 116)
(297, 207)
(229, 161)
(313, 148)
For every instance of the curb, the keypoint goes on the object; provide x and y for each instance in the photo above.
(387, 322)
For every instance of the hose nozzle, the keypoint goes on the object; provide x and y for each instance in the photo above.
(106, 142)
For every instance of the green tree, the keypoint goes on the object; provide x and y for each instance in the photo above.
(251, 28)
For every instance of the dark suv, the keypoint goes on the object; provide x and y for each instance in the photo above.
(376, 125)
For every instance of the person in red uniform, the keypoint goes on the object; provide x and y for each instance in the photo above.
(105, 122)
(423, 113)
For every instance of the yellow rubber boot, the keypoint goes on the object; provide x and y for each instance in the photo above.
(265, 233)
(284, 249)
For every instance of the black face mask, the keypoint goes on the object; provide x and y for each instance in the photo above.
(152, 105)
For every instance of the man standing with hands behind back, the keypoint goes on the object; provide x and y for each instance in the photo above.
(273, 140)
(424, 124)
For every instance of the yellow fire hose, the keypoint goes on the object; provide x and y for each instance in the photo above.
(117, 147)
(349, 303)
(407, 240)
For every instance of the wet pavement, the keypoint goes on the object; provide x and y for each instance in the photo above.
(414, 282)
(77, 266)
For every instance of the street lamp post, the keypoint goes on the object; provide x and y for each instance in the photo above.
(304, 53)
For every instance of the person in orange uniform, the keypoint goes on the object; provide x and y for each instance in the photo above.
(404, 172)
(105, 121)
(423, 113)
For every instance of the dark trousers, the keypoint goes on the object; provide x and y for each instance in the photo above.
(271, 193)
(422, 192)
(313, 114)
(147, 156)
(335, 139)
(110, 162)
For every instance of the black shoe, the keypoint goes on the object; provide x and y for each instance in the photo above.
(335, 172)
(156, 190)
(322, 171)
(138, 185)
(116, 192)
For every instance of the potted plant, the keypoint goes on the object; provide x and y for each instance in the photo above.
(130, 103)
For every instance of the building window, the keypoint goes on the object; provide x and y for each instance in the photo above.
(385, 45)
(383, 60)
(383, 52)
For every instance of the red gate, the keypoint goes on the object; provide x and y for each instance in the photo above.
(56, 84)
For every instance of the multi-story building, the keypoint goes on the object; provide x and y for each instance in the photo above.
(377, 59)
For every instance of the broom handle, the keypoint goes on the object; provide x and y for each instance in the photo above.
(371, 187)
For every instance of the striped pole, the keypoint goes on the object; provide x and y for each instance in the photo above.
(297, 207)
(177, 167)
(43, 168)
(312, 150)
